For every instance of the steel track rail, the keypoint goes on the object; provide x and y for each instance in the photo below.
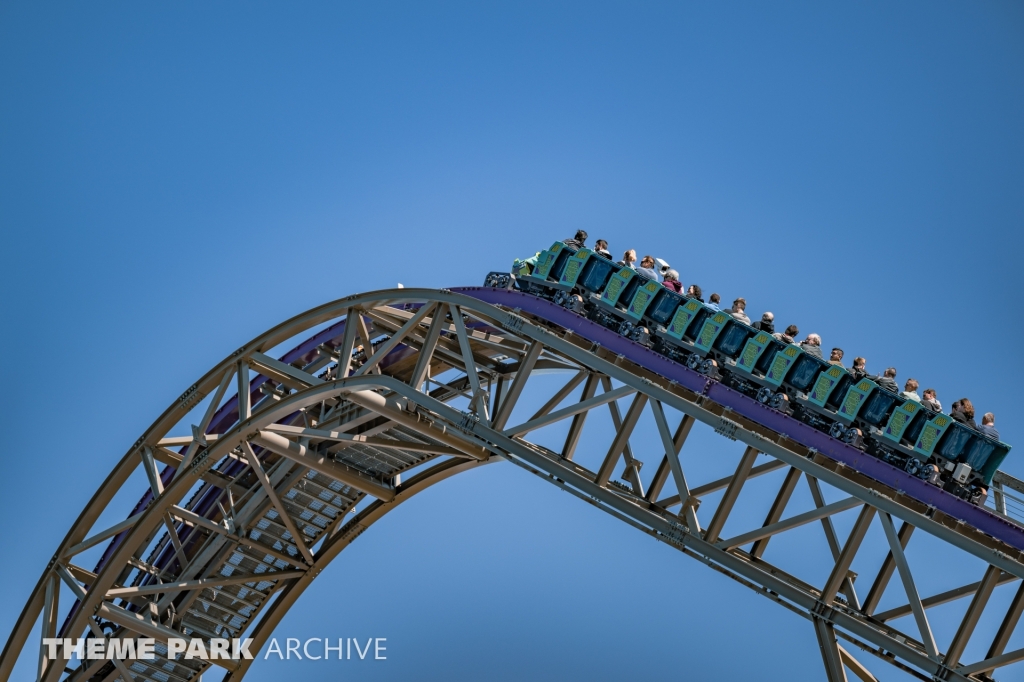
(288, 435)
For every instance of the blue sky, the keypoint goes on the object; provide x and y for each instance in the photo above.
(176, 179)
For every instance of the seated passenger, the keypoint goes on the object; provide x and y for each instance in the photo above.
(887, 380)
(931, 400)
(738, 308)
(858, 370)
(715, 300)
(988, 425)
(629, 259)
(812, 346)
(695, 292)
(672, 282)
(788, 336)
(910, 390)
(836, 357)
(963, 412)
(766, 324)
(601, 249)
(577, 242)
(647, 268)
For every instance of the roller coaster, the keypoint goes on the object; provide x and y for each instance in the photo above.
(283, 454)
(899, 430)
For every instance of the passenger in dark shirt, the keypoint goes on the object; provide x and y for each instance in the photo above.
(931, 400)
(888, 380)
(988, 425)
(858, 370)
(695, 292)
(765, 324)
(577, 242)
(812, 346)
(963, 412)
(601, 249)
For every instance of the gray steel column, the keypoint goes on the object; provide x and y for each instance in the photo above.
(829, 648)
(970, 621)
(885, 572)
(839, 573)
(732, 493)
(1008, 625)
(503, 412)
(621, 439)
(778, 506)
(572, 439)
(665, 468)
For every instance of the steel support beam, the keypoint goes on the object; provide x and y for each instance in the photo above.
(348, 344)
(941, 598)
(572, 439)
(1006, 628)
(856, 667)
(502, 414)
(138, 623)
(970, 620)
(280, 445)
(992, 663)
(841, 570)
(665, 468)
(363, 334)
(885, 572)
(48, 624)
(467, 357)
(791, 522)
(830, 654)
(908, 585)
(202, 583)
(621, 439)
(732, 493)
(373, 361)
(254, 463)
(722, 483)
(672, 446)
(382, 406)
(778, 506)
(585, 405)
(244, 397)
(562, 393)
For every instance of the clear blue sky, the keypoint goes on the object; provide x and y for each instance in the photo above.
(176, 178)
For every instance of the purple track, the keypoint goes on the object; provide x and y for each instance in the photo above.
(979, 517)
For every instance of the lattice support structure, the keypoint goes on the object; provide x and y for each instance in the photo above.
(289, 459)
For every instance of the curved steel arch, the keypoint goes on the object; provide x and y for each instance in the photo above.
(252, 505)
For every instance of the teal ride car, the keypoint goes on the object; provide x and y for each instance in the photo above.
(898, 430)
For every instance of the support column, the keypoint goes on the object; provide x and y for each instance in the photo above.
(970, 621)
(885, 573)
(779, 506)
(730, 496)
(829, 647)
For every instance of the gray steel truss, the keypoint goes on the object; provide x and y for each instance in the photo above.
(415, 386)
